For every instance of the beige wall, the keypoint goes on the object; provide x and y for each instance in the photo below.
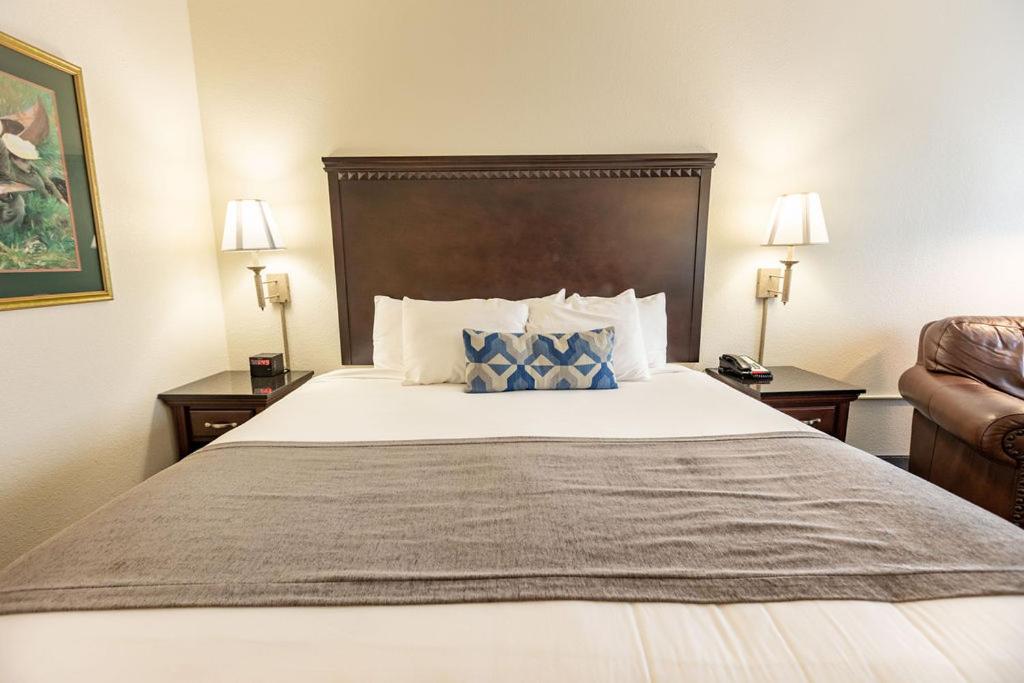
(79, 420)
(905, 116)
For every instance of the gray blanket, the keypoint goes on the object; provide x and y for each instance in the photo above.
(751, 518)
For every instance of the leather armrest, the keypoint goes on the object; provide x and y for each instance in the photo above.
(989, 420)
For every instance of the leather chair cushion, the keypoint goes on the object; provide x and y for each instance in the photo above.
(986, 419)
(988, 348)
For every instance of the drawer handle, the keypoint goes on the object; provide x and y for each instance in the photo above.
(220, 425)
(813, 421)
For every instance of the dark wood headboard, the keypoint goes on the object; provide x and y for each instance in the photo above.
(516, 227)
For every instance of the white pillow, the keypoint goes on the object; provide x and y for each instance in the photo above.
(579, 314)
(387, 329)
(654, 325)
(387, 333)
(432, 348)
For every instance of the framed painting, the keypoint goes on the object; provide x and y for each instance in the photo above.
(51, 236)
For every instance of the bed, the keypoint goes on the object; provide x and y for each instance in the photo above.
(305, 543)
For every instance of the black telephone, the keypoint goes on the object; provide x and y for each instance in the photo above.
(743, 367)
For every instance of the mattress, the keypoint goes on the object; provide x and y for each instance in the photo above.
(960, 639)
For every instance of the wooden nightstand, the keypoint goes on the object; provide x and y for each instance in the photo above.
(816, 400)
(214, 405)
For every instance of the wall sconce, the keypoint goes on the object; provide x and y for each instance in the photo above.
(796, 220)
(250, 226)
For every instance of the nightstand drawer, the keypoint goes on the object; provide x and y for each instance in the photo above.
(819, 401)
(214, 405)
(213, 423)
(819, 417)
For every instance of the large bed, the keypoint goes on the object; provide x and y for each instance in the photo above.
(672, 529)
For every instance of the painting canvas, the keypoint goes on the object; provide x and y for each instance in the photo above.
(51, 240)
(36, 224)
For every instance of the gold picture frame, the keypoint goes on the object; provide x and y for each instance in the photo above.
(24, 285)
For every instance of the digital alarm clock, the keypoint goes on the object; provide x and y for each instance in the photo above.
(266, 365)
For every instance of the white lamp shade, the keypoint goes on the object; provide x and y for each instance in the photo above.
(797, 219)
(250, 226)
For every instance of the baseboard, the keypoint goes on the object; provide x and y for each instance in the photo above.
(901, 461)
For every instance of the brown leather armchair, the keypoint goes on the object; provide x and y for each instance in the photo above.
(967, 390)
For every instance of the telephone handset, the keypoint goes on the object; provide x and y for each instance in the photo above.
(743, 367)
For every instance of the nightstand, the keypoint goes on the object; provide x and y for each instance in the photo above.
(214, 405)
(816, 400)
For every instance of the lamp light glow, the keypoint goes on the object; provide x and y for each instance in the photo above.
(796, 220)
(249, 225)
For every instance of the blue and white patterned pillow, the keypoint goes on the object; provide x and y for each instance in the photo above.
(517, 361)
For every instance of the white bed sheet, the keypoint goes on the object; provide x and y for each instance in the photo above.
(977, 639)
(364, 404)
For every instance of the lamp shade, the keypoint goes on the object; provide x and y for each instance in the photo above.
(797, 219)
(249, 226)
